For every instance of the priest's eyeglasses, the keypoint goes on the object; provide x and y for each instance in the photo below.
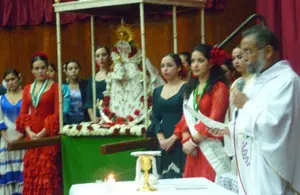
(251, 52)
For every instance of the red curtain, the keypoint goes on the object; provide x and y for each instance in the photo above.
(33, 12)
(283, 17)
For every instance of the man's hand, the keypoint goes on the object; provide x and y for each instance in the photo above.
(219, 132)
(238, 98)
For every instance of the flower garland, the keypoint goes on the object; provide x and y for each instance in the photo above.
(105, 129)
(110, 124)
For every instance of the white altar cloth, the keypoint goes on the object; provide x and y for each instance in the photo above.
(165, 187)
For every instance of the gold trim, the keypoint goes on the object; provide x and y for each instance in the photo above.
(124, 32)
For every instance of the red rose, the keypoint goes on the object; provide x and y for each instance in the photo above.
(218, 56)
(143, 130)
(137, 112)
(79, 127)
(149, 101)
(90, 128)
(106, 100)
(116, 131)
(106, 110)
(127, 131)
(130, 118)
(142, 99)
(120, 120)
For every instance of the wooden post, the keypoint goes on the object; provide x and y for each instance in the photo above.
(202, 26)
(93, 66)
(175, 30)
(142, 23)
(59, 71)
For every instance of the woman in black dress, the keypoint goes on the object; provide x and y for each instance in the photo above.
(166, 113)
(102, 57)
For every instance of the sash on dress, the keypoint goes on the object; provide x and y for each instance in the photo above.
(211, 148)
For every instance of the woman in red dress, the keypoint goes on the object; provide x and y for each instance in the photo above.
(209, 93)
(39, 118)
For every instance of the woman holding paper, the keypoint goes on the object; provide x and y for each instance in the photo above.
(206, 92)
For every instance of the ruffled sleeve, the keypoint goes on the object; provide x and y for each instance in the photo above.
(67, 98)
(24, 119)
(52, 125)
(220, 103)
(51, 122)
(180, 128)
(2, 123)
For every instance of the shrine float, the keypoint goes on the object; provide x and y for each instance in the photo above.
(82, 161)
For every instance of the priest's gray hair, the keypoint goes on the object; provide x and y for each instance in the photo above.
(264, 36)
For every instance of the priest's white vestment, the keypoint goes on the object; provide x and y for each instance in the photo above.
(271, 118)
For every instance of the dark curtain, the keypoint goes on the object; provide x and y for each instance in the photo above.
(283, 17)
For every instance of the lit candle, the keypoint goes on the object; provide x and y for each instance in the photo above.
(111, 178)
(110, 182)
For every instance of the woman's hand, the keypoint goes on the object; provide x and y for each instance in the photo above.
(4, 136)
(41, 134)
(219, 132)
(31, 134)
(19, 137)
(168, 143)
(189, 148)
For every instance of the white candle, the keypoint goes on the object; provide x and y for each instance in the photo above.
(110, 183)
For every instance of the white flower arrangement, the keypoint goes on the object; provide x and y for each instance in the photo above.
(95, 129)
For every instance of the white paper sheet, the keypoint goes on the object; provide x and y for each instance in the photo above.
(204, 119)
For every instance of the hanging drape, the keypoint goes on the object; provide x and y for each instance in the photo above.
(283, 17)
(33, 12)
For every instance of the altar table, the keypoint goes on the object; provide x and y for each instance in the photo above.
(83, 162)
(165, 187)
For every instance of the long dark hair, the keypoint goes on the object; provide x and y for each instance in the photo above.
(12, 71)
(102, 46)
(39, 57)
(71, 61)
(216, 73)
(53, 67)
(187, 55)
(176, 59)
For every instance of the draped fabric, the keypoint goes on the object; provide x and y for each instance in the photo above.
(33, 12)
(283, 17)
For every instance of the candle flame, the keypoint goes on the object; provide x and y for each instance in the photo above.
(111, 177)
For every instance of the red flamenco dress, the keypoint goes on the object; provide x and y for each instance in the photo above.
(42, 166)
(214, 105)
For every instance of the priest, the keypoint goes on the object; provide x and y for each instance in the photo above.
(269, 114)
